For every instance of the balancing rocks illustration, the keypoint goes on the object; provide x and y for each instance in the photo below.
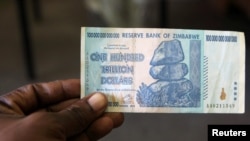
(171, 88)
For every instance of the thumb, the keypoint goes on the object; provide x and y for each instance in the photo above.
(77, 117)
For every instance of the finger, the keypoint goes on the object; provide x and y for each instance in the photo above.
(59, 106)
(31, 97)
(98, 129)
(76, 118)
(104, 125)
(117, 118)
(101, 127)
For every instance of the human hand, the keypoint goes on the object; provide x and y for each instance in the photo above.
(53, 112)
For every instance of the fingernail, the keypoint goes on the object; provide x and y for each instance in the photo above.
(97, 102)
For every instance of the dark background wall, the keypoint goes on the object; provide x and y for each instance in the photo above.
(55, 40)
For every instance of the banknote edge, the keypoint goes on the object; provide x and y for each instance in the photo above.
(82, 63)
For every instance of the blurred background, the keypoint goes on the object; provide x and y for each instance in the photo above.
(40, 41)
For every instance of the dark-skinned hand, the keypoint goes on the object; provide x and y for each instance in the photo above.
(53, 111)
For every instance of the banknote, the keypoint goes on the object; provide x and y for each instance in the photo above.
(154, 70)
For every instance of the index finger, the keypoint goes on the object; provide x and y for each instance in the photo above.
(29, 98)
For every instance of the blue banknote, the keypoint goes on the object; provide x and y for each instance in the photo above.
(164, 70)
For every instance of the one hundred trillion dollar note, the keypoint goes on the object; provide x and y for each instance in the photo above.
(153, 70)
